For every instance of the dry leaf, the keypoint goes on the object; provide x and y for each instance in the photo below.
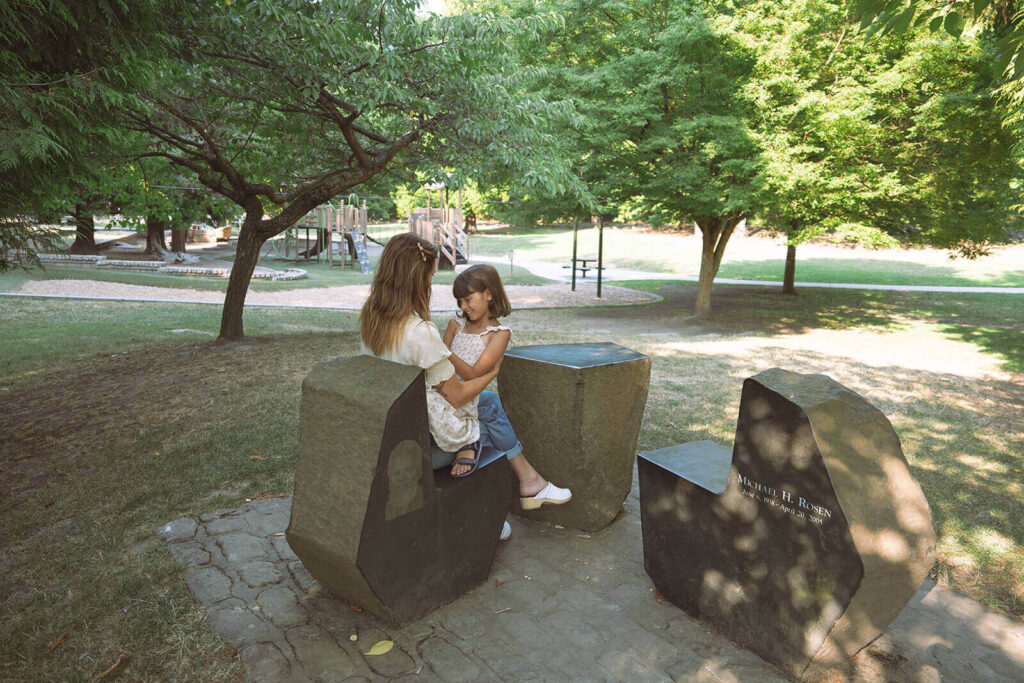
(356, 609)
(113, 667)
(63, 637)
(381, 648)
(257, 457)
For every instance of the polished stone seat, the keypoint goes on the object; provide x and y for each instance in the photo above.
(801, 543)
(370, 519)
(577, 409)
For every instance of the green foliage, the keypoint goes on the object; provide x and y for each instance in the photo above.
(68, 69)
(20, 242)
(328, 94)
(664, 131)
(1002, 19)
(893, 137)
(409, 197)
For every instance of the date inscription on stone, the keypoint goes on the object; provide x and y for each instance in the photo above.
(781, 499)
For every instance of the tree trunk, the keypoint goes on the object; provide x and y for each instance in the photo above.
(155, 243)
(715, 234)
(178, 240)
(788, 284)
(247, 255)
(85, 232)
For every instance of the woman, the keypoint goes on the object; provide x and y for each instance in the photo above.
(395, 325)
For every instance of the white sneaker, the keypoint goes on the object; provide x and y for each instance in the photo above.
(506, 531)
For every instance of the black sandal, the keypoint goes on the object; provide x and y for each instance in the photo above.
(471, 463)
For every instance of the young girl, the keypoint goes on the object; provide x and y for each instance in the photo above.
(395, 325)
(478, 341)
(476, 336)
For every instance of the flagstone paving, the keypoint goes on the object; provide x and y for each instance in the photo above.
(559, 605)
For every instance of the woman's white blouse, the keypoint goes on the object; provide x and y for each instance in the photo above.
(421, 345)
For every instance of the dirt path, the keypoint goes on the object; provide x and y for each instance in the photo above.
(350, 297)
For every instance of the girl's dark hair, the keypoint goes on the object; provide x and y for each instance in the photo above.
(479, 278)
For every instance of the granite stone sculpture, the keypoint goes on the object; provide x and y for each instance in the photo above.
(370, 519)
(805, 541)
(577, 409)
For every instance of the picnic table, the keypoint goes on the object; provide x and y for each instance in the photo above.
(583, 264)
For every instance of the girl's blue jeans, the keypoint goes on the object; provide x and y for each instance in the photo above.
(495, 431)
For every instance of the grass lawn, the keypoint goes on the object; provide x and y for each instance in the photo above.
(759, 258)
(119, 417)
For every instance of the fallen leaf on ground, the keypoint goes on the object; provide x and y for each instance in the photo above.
(257, 457)
(356, 609)
(113, 667)
(381, 648)
(63, 637)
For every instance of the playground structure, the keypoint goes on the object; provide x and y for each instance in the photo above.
(444, 226)
(326, 220)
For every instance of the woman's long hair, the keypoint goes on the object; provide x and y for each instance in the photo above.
(401, 286)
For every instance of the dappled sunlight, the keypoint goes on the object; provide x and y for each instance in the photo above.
(956, 413)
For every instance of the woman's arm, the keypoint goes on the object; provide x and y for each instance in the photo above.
(495, 345)
(460, 393)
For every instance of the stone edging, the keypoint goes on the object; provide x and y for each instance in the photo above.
(168, 269)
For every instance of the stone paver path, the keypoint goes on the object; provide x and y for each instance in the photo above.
(559, 605)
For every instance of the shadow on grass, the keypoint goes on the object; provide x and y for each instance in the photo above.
(992, 322)
(1006, 342)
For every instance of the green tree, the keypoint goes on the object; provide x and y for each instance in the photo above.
(283, 104)
(895, 138)
(659, 86)
(65, 69)
(824, 164)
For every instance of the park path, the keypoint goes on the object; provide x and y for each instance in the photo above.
(523, 297)
(560, 273)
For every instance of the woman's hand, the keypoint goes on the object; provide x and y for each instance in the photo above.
(460, 393)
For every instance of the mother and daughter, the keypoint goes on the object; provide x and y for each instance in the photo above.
(463, 418)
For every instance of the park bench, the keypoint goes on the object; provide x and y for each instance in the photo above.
(801, 543)
(371, 519)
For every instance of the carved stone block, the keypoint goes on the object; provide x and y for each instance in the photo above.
(370, 519)
(577, 409)
(805, 541)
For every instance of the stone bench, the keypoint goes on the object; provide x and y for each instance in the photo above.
(805, 540)
(577, 409)
(370, 518)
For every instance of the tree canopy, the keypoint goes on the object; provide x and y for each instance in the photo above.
(69, 69)
(281, 105)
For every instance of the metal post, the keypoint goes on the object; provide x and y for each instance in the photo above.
(600, 252)
(575, 235)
